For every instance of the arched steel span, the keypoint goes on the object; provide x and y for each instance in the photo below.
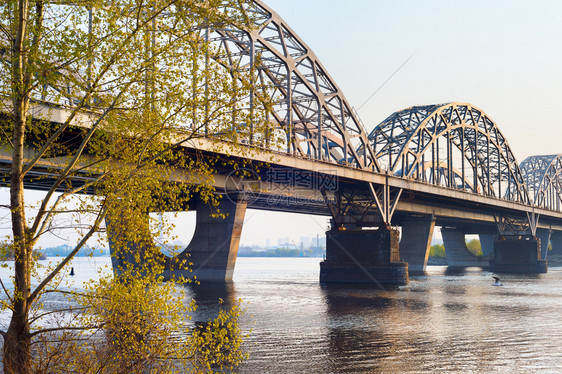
(308, 106)
(543, 176)
(416, 142)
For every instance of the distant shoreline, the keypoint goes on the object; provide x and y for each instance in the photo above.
(275, 255)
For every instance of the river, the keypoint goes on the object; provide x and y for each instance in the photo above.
(441, 322)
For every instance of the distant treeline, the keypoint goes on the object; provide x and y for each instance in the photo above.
(282, 252)
(7, 254)
(438, 250)
(64, 250)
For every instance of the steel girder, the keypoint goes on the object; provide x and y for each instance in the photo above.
(454, 145)
(543, 175)
(307, 107)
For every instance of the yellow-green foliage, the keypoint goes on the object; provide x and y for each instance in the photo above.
(474, 246)
(437, 250)
(122, 86)
(135, 324)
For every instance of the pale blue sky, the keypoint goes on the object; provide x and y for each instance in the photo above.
(505, 57)
(502, 56)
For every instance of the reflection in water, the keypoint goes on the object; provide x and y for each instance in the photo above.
(442, 321)
(211, 298)
(461, 270)
(365, 341)
(454, 322)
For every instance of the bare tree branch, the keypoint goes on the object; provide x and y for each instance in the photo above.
(54, 312)
(6, 291)
(68, 328)
(71, 255)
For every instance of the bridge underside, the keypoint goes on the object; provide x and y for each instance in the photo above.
(320, 182)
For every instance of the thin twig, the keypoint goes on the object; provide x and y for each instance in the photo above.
(71, 255)
(6, 291)
(53, 312)
(69, 328)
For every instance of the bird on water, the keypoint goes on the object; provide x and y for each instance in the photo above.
(497, 282)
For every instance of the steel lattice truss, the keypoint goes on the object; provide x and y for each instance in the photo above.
(308, 108)
(543, 175)
(453, 145)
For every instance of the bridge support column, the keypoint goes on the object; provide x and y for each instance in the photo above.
(556, 241)
(416, 243)
(212, 251)
(544, 236)
(487, 244)
(458, 254)
(363, 256)
(130, 248)
(517, 255)
(214, 247)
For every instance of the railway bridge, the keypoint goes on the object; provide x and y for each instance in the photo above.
(445, 165)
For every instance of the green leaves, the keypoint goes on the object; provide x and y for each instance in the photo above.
(104, 102)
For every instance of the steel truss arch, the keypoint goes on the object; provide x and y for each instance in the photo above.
(455, 145)
(543, 176)
(307, 106)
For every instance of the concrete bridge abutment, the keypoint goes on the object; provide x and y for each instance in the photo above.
(517, 255)
(458, 255)
(487, 244)
(556, 241)
(363, 256)
(212, 252)
(544, 236)
(415, 243)
(210, 256)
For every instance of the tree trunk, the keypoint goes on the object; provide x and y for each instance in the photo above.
(17, 357)
(17, 350)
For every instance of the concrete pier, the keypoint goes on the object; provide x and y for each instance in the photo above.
(517, 255)
(212, 251)
(458, 254)
(363, 256)
(487, 244)
(211, 255)
(556, 241)
(415, 243)
(544, 236)
(130, 248)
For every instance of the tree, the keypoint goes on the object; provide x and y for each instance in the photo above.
(437, 250)
(98, 98)
(141, 327)
(474, 247)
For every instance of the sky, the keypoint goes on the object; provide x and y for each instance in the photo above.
(504, 57)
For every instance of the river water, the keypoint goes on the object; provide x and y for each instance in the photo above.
(441, 322)
(444, 322)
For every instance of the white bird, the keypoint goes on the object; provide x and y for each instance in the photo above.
(497, 282)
